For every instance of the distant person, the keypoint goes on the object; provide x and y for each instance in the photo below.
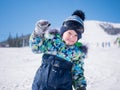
(63, 58)
(109, 45)
(117, 41)
(103, 45)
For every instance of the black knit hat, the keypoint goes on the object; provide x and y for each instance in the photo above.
(74, 22)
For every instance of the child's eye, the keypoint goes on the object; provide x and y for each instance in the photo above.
(75, 35)
(69, 33)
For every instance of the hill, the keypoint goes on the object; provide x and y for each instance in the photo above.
(96, 33)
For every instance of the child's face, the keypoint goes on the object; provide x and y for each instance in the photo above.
(70, 37)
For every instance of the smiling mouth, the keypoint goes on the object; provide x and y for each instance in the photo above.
(70, 40)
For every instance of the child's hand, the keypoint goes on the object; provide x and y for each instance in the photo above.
(41, 27)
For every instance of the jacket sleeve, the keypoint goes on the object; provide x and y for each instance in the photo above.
(36, 43)
(42, 44)
(37, 40)
(78, 74)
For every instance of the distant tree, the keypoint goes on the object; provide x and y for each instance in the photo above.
(10, 40)
(110, 29)
(22, 40)
(18, 41)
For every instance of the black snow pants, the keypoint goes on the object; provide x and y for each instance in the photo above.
(53, 74)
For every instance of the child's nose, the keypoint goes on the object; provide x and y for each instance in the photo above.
(71, 36)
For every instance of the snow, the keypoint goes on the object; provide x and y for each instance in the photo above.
(17, 68)
(102, 65)
(102, 69)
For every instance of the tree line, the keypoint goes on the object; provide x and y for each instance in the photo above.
(17, 41)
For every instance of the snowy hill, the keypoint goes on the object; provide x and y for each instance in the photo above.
(102, 65)
(95, 35)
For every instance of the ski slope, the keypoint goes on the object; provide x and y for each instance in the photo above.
(102, 65)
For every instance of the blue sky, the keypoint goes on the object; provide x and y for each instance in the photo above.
(20, 16)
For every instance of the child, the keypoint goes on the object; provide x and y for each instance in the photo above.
(62, 61)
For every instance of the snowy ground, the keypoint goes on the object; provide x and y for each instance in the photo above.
(18, 66)
(102, 69)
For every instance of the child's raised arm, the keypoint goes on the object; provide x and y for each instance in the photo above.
(37, 37)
